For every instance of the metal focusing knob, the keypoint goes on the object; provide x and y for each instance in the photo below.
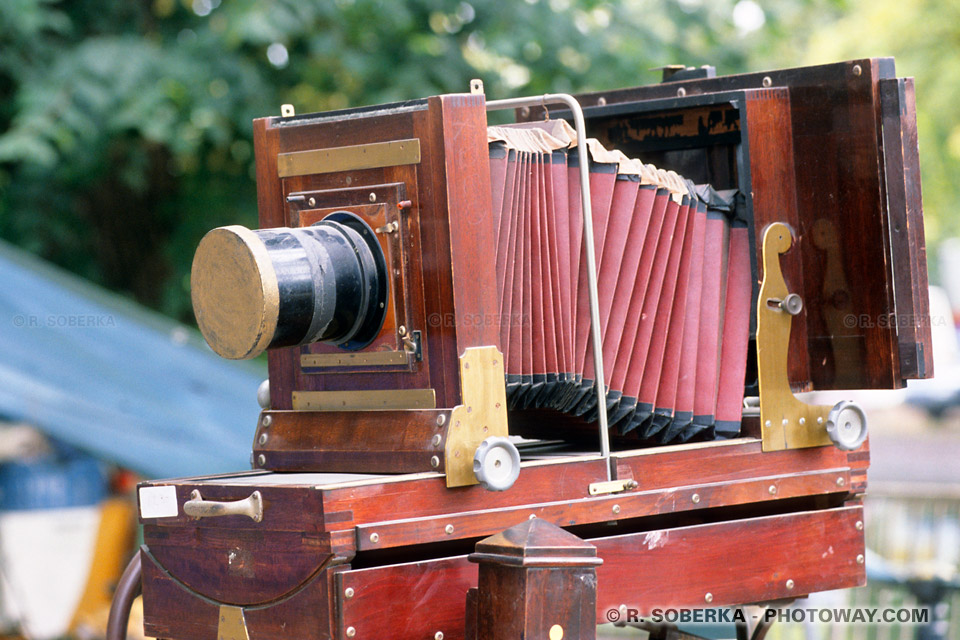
(847, 425)
(263, 394)
(496, 464)
(257, 290)
(792, 304)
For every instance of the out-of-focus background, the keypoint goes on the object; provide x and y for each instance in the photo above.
(125, 134)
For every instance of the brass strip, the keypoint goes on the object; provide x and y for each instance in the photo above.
(232, 625)
(364, 400)
(785, 421)
(361, 156)
(373, 358)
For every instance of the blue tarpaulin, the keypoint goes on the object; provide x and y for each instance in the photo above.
(123, 383)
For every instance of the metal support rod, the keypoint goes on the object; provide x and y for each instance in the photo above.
(127, 590)
(596, 340)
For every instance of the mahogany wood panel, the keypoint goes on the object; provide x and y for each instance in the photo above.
(662, 568)
(347, 441)
(172, 611)
(630, 504)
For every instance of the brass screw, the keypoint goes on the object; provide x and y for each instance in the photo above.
(261, 460)
(402, 330)
(789, 584)
(695, 498)
(859, 558)
(772, 489)
(351, 632)
(374, 537)
(533, 516)
(681, 92)
(263, 439)
(616, 508)
(348, 593)
(436, 440)
(840, 481)
(441, 419)
(448, 529)
(803, 421)
(373, 197)
(708, 597)
(601, 101)
(767, 81)
(556, 632)
(434, 462)
(857, 70)
(438, 635)
(312, 202)
(267, 420)
(859, 525)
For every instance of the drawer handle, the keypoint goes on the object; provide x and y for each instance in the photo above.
(196, 506)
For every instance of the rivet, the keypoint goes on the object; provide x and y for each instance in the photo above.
(708, 597)
(402, 330)
(819, 419)
(681, 92)
(261, 459)
(441, 419)
(767, 424)
(803, 421)
(767, 81)
(448, 529)
(616, 508)
(859, 558)
(263, 439)
(533, 516)
(374, 537)
(556, 631)
(434, 462)
(785, 422)
(436, 440)
(312, 202)
(789, 584)
(351, 632)
(373, 197)
(695, 498)
(772, 489)
(348, 593)
(438, 635)
(840, 481)
(601, 101)
(267, 420)
(857, 70)
(859, 525)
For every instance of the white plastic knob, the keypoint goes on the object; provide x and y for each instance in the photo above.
(847, 425)
(496, 464)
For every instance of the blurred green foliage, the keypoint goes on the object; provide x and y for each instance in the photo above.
(125, 127)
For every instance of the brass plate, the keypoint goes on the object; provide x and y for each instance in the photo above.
(373, 358)
(371, 399)
(785, 422)
(361, 156)
(232, 625)
(483, 413)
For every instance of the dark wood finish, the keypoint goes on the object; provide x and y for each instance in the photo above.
(348, 441)
(658, 568)
(905, 211)
(839, 162)
(170, 610)
(535, 581)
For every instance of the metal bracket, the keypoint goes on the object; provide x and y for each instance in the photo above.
(482, 414)
(786, 422)
(232, 625)
(612, 486)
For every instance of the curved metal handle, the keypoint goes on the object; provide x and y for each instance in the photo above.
(252, 507)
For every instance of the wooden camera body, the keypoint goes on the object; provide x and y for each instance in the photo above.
(364, 501)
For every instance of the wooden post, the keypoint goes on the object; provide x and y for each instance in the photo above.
(537, 582)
